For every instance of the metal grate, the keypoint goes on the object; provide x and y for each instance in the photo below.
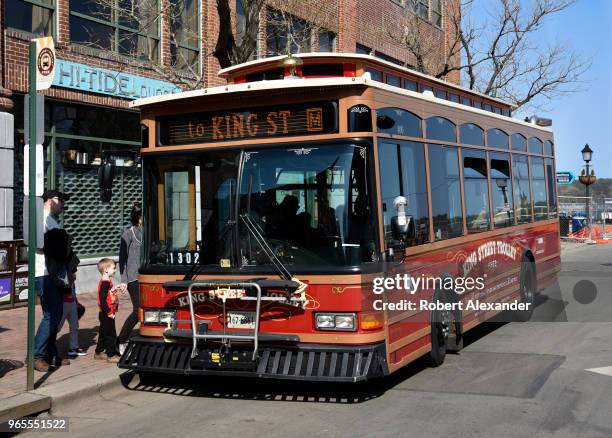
(96, 227)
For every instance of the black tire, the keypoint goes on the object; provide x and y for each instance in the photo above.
(528, 290)
(440, 328)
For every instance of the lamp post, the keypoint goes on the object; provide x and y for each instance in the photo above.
(587, 179)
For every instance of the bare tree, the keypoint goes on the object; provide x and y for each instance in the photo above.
(499, 57)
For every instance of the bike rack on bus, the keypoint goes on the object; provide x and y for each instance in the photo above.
(225, 337)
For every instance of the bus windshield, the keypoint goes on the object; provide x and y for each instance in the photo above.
(312, 205)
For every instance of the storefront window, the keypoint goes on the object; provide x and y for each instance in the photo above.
(30, 16)
(132, 28)
(77, 138)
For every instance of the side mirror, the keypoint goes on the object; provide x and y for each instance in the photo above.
(402, 229)
(402, 225)
(106, 174)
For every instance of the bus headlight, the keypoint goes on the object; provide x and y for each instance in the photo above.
(159, 316)
(167, 316)
(335, 321)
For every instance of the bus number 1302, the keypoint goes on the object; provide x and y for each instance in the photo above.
(184, 257)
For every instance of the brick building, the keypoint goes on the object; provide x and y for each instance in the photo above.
(86, 109)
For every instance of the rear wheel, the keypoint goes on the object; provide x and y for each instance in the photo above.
(528, 290)
(441, 323)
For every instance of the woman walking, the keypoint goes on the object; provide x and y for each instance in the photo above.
(129, 262)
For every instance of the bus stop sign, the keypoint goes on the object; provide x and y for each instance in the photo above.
(565, 177)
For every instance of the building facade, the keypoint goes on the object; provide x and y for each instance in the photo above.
(104, 61)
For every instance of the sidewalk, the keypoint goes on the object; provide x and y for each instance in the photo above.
(13, 345)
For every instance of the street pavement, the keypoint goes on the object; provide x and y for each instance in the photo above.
(535, 379)
(13, 345)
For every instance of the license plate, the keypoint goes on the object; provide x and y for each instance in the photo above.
(241, 320)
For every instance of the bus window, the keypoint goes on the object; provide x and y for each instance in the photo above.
(176, 193)
(501, 190)
(535, 145)
(522, 195)
(475, 190)
(398, 121)
(466, 101)
(453, 98)
(402, 172)
(538, 187)
(552, 188)
(445, 191)
(439, 128)
(392, 80)
(311, 205)
(410, 85)
(477, 104)
(440, 94)
(374, 74)
(471, 134)
(496, 138)
(519, 143)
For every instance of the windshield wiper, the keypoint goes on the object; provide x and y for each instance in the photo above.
(274, 261)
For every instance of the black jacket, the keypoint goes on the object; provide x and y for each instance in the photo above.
(60, 259)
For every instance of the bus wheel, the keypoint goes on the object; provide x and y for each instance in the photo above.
(441, 324)
(528, 290)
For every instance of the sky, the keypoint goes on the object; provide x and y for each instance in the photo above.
(584, 116)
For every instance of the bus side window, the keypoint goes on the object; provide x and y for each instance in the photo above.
(445, 191)
(402, 172)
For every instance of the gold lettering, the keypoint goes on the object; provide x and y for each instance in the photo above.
(285, 115)
(190, 132)
(227, 126)
(273, 128)
(239, 125)
(200, 130)
(252, 128)
(217, 127)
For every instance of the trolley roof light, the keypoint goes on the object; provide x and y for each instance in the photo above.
(292, 62)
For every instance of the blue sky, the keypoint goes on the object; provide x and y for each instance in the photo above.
(585, 116)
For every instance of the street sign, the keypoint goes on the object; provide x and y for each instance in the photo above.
(45, 62)
(40, 118)
(40, 170)
(565, 177)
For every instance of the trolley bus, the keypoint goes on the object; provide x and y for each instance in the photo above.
(274, 204)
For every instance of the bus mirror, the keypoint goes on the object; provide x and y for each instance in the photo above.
(402, 225)
(106, 173)
(402, 228)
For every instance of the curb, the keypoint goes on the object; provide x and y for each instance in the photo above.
(61, 394)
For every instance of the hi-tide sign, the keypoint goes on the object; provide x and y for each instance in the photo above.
(45, 63)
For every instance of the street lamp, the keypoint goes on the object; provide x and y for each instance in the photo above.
(502, 184)
(587, 178)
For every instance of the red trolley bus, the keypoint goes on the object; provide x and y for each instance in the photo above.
(285, 212)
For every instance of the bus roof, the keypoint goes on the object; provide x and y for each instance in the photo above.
(263, 63)
(250, 87)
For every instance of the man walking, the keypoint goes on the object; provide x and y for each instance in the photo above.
(45, 350)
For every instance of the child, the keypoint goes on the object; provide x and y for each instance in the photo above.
(70, 313)
(108, 302)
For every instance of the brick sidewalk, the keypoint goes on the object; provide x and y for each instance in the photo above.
(13, 345)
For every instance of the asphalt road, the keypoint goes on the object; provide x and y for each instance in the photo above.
(512, 380)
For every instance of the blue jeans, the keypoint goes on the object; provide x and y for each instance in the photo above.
(53, 308)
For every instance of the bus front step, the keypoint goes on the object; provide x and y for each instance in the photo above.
(302, 362)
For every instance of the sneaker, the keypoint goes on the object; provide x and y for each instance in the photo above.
(41, 365)
(101, 356)
(121, 348)
(77, 352)
(60, 361)
(113, 359)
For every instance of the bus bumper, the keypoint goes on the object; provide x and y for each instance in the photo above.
(309, 362)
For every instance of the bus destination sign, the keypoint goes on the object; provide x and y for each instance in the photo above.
(279, 121)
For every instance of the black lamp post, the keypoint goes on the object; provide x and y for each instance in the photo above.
(502, 184)
(587, 179)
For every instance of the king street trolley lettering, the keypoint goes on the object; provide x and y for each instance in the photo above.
(297, 119)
